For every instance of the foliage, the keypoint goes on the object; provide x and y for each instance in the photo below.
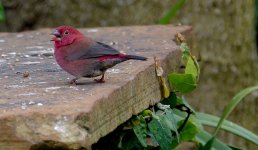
(173, 121)
(172, 12)
(2, 16)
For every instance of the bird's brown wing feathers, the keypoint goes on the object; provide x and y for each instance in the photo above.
(95, 50)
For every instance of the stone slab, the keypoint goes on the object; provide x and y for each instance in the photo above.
(38, 104)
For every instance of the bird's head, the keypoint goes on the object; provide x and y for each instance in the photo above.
(65, 35)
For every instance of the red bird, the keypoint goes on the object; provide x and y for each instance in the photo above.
(83, 57)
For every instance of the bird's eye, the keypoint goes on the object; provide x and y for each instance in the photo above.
(66, 32)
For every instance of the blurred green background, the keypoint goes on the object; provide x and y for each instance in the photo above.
(224, 39)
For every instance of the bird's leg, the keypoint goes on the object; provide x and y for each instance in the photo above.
(74, 81)
(101, 80)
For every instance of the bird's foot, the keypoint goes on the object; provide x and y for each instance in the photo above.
(99, 80)
(73, 81)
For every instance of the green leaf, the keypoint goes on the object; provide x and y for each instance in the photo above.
(183, 83)
(209, 144)
(191, 68)
(171, 100)
(161, 134)
(172, 124)
(211, 120)
(185, 52)
(140, 131)
(233, 103)
(172, 12)
(184, 101)
(128, 141)
(234, 148)
(189, 131)
(2, 16)
(146, 112)
(203, 137)
(153, 140)
(166, 126)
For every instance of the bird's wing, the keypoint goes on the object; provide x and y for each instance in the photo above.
(95, 50)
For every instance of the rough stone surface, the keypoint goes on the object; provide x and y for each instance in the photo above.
(37, 103)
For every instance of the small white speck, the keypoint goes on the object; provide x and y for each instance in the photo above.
(26, 56)
(112, 43)
(35, 47)
(50, 49)
(92, 30)
(73, 87)
(27, 94)
(12, 53)
(122, 52)
(30, 63)
(52, 88)
(3, 55)
(19, 35)
(65, 118)
(31, 102)
(2, 41)
(16, 86)
(38, 83)
(39, 104)
(60, 127)
(41, 52)
(23, 107)
(113, 70)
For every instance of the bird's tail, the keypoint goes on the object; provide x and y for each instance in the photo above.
(135, 57)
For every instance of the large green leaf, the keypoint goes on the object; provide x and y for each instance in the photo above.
(161, 134)
(183, 83)
(140, 131)
(172, 122)
(189, 131)
(191, 68)
(233, 103)
(210, 120)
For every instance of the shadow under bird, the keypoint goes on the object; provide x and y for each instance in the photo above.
(81, 56)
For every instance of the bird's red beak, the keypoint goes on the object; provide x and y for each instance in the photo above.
(57, 36)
